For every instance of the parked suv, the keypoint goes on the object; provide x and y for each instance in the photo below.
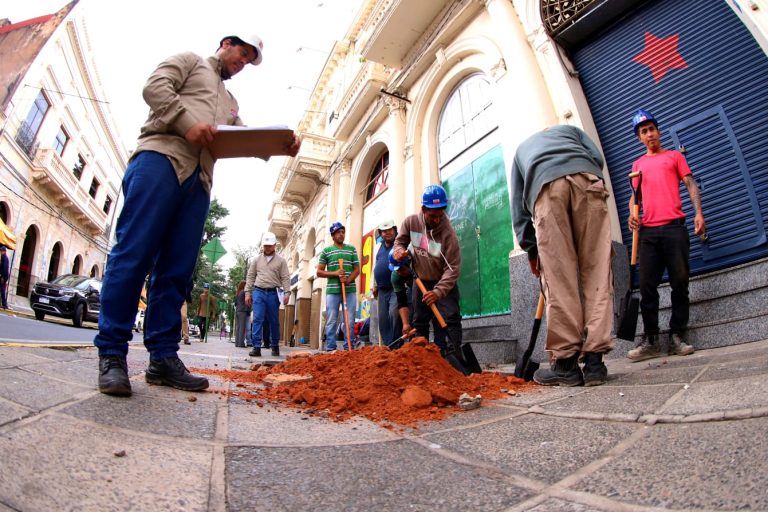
(68, 296)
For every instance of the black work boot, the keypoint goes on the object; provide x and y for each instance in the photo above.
(265, 344)
(113, 376)
(595, 372)
(563, 372)
(255, 352)
(172, 372)
(276, 351)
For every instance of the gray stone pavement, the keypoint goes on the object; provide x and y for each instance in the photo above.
(676, 433)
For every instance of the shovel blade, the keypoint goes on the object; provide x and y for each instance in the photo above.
(454, 361)
(529, 369)
(628, 319)
(469, 357)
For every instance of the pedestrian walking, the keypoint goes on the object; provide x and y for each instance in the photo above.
(206, 311)
(431, 241)
(167, 189)
(242, 314)
(5, 276)
(663, 235)
(389, 321)
(267, 273)
(560, 212)
(184, 315)
(337, 276)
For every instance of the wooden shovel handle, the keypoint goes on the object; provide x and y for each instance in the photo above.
(344, 306)
(437, 314)
(635, 213)
(540, 307)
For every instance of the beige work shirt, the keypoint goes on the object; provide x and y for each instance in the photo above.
(186, 89)
(268, 274)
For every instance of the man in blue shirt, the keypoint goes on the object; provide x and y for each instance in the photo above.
(389, 320)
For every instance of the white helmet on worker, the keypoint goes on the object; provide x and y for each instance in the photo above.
(251, 40)
(268, 239)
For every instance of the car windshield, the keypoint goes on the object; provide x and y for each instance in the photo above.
(72, 281)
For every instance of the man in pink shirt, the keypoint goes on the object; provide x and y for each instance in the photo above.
(664, 243)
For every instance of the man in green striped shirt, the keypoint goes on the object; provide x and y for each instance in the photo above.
(328, 267)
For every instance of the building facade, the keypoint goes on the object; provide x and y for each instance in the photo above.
(61, 160)
(444, 91)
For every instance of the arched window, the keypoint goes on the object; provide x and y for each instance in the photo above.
(77, 265)
(5, 212)
(465, 119)
(379, 177)
(95, 271)
(53, 265)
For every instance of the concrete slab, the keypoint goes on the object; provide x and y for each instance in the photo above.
(35, 391)
(616, 400)
(489, 411)
(539, 447)
(735, 370)
(83, 372)
(173, 416)
(52, 472)
(390, 476)
(539, 395)
(661, 375)
(556, 505)
(12, 357)
(722, 396)
(272, 426)
(10, 412)
(657, 471)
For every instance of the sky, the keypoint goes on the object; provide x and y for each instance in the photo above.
(130, 39)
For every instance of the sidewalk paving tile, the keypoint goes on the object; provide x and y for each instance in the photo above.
(78, 372)
(390, 476)
(12, 357)
(541, 447)
(615, 399)
(490, 411)
(558, 505)
(173, 416)
(70, 465)
(10, 412)
(36, 391)
(753, 366)
(722, 396)
(711, 466)
(662, 375)
(268, 425)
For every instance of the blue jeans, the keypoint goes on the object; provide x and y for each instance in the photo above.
(332, 306)
(266, 306)
(161, 224)
(390, 325)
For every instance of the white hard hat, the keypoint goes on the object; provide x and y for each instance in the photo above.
(253, 40)
(268, 239)
(387, 224)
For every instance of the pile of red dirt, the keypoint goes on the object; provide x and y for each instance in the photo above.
(403, 387)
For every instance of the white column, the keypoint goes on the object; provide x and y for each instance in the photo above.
(396, 181)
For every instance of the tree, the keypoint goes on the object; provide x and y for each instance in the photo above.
(203, 272)
(238, 271)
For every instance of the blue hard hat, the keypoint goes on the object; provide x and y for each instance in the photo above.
(394, 264)
(642, 116)
(205, 285)
(335, 227)
(434, 196)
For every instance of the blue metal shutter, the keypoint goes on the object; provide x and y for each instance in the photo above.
(712, 108)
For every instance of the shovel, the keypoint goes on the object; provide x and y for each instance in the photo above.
(344, 306)
(394, 344)
(470, 364)
(526, 368)
(631, 303)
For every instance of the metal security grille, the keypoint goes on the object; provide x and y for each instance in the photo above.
(557, 15)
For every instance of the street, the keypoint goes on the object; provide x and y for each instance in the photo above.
(22, 329)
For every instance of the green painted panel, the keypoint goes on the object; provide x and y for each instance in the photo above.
(461, 212)
(495, 224)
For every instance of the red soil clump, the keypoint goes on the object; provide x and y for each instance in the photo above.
(403, 387)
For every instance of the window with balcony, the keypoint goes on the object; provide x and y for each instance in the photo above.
(94, 188)
(31, 125)
(61, 141)
(379, 177)
(466, 118)
(107, 205)
(79, 167)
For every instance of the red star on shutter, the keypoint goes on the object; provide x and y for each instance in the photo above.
(660, 55)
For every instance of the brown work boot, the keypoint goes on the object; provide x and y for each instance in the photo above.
(677, 347)
(647, 349)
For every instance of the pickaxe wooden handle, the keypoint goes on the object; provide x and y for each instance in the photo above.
(437, 314)
(344, 305)
(635, 211)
